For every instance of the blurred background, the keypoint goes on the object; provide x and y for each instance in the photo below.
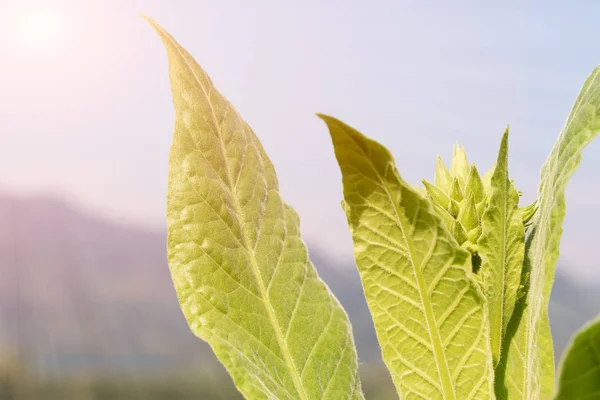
(87, 308)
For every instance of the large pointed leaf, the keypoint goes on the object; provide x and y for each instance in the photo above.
(527, 366)
(240, 268)
(428, 311)
(580, 367)
(502, 249)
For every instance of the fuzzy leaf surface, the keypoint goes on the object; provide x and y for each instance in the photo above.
(502, 249)
(526, 370)
(429, 313)
(240, 269)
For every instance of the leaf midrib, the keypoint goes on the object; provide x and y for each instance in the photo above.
(438, 352)
(255, 268)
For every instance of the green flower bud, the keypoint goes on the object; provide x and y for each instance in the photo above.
(475, 185)
(443, 179)
(453, 208)
(460, 197)
(459, 232)
(481, 206)
(437, 195)
(460, 165)
(487, 179)
(474, 234)
(468, 214)
(447, 219)
(456, 192)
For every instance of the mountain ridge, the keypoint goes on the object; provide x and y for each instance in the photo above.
(81, 294)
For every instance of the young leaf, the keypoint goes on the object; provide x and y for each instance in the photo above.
(240, 268)
(428, 312)
(527, 212)
(580, 367)
(526, 370)
(501, 248)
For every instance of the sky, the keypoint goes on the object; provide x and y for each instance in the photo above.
(86, 112)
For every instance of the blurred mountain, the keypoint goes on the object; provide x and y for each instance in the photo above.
(571, 307)
(82, 295)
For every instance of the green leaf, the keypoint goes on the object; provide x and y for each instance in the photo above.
(501, 248)
(428, 311)
(580, 367)
(527, 367)
(241, 271)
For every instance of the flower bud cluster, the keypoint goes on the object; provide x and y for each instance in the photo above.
(460, 196)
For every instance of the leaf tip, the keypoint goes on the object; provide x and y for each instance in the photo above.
(331, 122)
(164, 35)
(503, 153)
(150, 21)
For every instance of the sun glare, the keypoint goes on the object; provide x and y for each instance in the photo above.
(39, 29)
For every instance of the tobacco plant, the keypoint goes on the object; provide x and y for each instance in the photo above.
(456, 273)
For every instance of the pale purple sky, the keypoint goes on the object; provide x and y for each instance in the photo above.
(86, 114)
